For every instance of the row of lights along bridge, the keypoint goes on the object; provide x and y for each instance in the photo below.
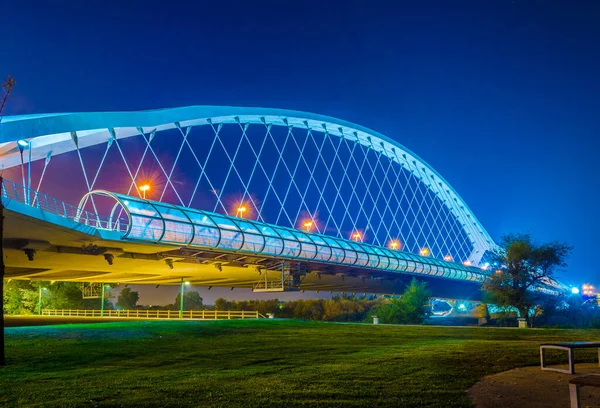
(309, 224)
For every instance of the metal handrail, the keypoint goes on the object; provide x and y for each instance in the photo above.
(35, 199)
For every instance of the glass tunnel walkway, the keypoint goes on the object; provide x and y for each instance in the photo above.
(157, 222)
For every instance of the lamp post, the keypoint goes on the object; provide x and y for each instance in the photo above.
(241, 210)
(308, 225)
(102, 306)
(356, 236)
(40, 300)
(143, 189)
(183, 285)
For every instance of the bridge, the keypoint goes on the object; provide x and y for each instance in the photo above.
(258, 198)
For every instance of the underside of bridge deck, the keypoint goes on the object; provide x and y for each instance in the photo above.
(41, 250)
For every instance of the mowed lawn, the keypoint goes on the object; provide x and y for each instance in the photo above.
(261, 363)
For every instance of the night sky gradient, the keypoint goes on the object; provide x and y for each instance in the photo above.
(501, 97)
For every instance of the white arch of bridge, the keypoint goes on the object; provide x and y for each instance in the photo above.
(53, 134)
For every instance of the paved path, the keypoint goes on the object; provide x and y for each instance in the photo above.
(532, 388)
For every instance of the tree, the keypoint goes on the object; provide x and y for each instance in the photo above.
(128, 299)
(411, 308)
(21, 297)
(191, 301)
(221, 304)
(522, 268)
(65, 295)
(414, 300)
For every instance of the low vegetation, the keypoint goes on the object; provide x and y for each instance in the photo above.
(261, 363)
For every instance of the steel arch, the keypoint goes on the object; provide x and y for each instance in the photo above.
(53, 134)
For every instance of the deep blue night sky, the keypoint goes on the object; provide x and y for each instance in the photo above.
(501, 97)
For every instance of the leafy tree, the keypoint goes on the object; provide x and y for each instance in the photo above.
(20, 297)
(128, 299)
(414, 301)
(522, 267)
(191, 301)
(221, 304)
(66, 295)
(410, 308)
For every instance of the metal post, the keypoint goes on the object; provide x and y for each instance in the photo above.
(2, 359)
(102, 306)
(181, 299)
(23, 174)
(29, 174)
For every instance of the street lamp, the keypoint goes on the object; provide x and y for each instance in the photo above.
(102, 297)
(448, 258)
(424, 251)
(356, 236)
(241, 210)
(40, 300)
(308, 225)
(575, 290)
(143, 189)
(394, 244)
(183, 285)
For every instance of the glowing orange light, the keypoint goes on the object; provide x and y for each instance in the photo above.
(498, 271)
(467, 263)
(394, 244)
(424, 251)
(356, 236)
(144, 188)
(308, 225)
(448, 258)
(241, 210)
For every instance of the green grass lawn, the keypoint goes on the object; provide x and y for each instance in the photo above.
(261, 363)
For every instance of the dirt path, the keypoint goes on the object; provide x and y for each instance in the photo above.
(533, 388)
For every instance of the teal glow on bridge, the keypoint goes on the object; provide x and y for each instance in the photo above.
(157, 222)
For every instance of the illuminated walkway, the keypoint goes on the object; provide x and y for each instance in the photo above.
(153, 224)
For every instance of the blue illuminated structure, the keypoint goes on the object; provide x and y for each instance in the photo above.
(287, 168)
(158, 222)
(285, 164)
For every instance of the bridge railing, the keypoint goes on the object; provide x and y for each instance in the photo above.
(33, 198)
(156, 314)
